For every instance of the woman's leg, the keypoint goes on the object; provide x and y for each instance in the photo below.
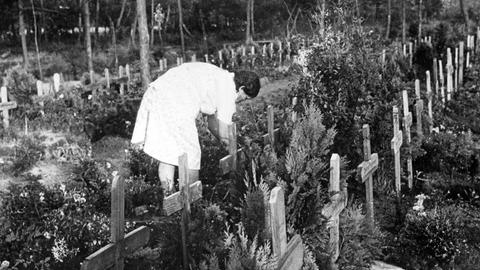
(165, 173)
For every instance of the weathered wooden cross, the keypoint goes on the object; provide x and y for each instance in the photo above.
(410, 53)
(442, 81)
(418, 108)
(229, 163)
(294, 113)
(449, 74)
(127, 71)
(407, 123)
(289, 255)
(461, 62)
(113, 254)
(121, 74)
(42, 90)
(56, 82)
(435, 75)
(273, 132)
(365, 171)
(395, 145)
(181, 200)
(455, 71)
(6, 105)
(430, 103)
(331, 211)
(107, 78)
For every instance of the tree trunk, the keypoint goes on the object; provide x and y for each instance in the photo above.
(404, 23)
(252, 23)
(204, 31)
(322, 18)
(22, 30)
(36, 41)
(248, 37)
(389, 18)
(152, 13)
(88, 41)
(114, 42)
(122, 10)
(419, 21)
(43, 26)
(357, 8)
(464, 10)
(180, 22)
(144, 49)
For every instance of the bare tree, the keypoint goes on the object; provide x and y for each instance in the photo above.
(292, 19)
(36, 41)
(97, 20)
(88, 40)
(152, 22)
(22, 30)
(389, 18)
(144, 48)
(180, 25)
(249, 30)
(419, 20)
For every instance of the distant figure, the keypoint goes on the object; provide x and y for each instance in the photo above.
(165, 125)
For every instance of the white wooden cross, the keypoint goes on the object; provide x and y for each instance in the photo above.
(289, 255)
(273, 132)
(455, 71)
(107, 77)
(469, 47)
(418, 108)
(410, 53)
(430, 103)
(229, 163)
(461, 62)
(365, 171)
(113, 254)
(384, 57)
(6, 105)
(449, 74)
(442, 81)
(407, 123)
(56, 82)
(331, 211)
(194, 58)
(396, 143)
(294, 113)
(42, 91)
(405, 50)
(121, 74)
(165, 63)
(181, 200)
(127, 71)
(435, 75)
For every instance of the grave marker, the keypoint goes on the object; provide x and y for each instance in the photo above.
(120, 76)
(455, 71)
(113, 254)
(430, 104)
(331, 211)
(294, 113)
(383, 57)
(410, 53)
(229, 162)
(396, 143)
(407, 123)
(107, 77)
(56, 82)
(6, 105)
(194, 58)
(290, 255)
(418, 108)
(206, 58)
(365, 171)
(442, 81)
(449, 74)
(461, 62)
(273, 132)
(127, 70)
(435, 75)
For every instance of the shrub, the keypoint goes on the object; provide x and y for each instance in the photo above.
(26, 153)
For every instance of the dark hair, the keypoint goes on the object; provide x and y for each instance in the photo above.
(249, 80)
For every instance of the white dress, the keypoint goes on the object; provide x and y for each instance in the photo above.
(166, 118)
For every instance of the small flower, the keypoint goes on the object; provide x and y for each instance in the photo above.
(89, 97)
(4, 265)
(42, 196)
(114, 173)
(109, 165)
(24, 194)
(47, 235)
(61, 96)
(76, 197)
(63, 188)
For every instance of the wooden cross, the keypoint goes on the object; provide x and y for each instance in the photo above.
(455, 71)
(113, 254)
(449, 74)
(365, 171)
(6, 105)
(383, 57)
(418, 108)
(273, 132)
(289, 255)
(331, 211)
(120, 76)
(410, 53)
(461, 62)
(395, 145)
(430, 104)
(56, 82)
(165, 63)
(405, 50)
(127, 71)
(107, 77)
(182, 199)
(41, 94)
(294, 113)
(435, 75)
(194, 58)
(442, 81)
(407, 123)
(469, 47)
(229, 162)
